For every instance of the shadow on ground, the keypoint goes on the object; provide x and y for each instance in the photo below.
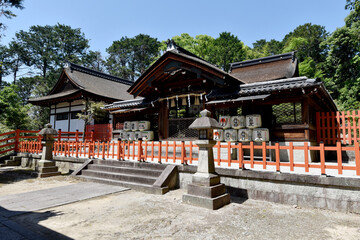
(18, 228)
(12, 174)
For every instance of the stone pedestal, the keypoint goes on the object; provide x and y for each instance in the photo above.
(206, 189)
(47, 169)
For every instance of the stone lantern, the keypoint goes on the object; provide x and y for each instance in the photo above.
(206, 189)
(47, 166)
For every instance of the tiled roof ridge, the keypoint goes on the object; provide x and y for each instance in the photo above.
(267, 59)
(73, 66)
(280, 81)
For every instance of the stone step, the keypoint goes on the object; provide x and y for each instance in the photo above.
(12, 163)
(125, 170)
(48, 169)
(48, 174)
(135, 186)
(145, 165)
(15, 158)
(120, 177)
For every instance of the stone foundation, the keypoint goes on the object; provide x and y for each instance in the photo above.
(333, 193)
(65, 164)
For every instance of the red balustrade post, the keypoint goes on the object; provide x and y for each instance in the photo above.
(291, 151)
(17, 137)
(139, 151)
(339, 156)
(182, 153)
(118, 150)
(322, 158)
(59, 136)
(160, 149)
(77, 135)
(357, 158)
(263, 144)
(241, 155)
(277, 156)
(103, 150)
(92, 135)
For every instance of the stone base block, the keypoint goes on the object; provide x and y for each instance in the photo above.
(49, 174)
(205, 179)
(43, 164)
(209, 203)
(47, 169)
(208, 192)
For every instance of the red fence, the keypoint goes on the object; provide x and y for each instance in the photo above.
(9, 142)
(338, 126)
(186, 153)
(102, 132)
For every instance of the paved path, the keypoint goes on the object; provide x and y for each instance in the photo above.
(16, 204)
(37, 200)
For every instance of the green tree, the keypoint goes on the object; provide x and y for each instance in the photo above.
(307, 38)
(17, 58)
(94, 60)
(186, 41)
(130, 57)
(26, 87)
(47, 47)
(267, 48)
(228, 49)
(4, 63)
(354, 16)
(201, 45)
(12, 113)
(343, 62)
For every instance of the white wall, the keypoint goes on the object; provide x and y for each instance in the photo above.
(75, 124)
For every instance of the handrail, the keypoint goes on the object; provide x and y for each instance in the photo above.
(247, 155)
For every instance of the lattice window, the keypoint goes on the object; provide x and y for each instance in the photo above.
(62, 116)
(179, 128)
(287, 113)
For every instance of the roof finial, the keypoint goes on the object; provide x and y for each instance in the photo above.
(67, 64)
(170, 45)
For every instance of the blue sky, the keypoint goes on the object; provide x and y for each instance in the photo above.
(108, 20)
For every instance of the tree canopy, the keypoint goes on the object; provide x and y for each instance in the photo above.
(129, 57)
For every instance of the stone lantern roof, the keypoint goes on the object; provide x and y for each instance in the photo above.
(205, 121)
(48, 130)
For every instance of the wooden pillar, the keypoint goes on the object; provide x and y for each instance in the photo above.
(305, 119)
(163, 120)
(69, 116)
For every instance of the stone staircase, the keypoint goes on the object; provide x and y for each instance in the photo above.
(13, 161)
(141, 176)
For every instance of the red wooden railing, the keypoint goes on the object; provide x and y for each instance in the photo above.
(184, 153)
(10, 141)
(338, 126)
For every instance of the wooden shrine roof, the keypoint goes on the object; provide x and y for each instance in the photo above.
(266, 68)
(297, 86)
(86, 82)
(174, 62)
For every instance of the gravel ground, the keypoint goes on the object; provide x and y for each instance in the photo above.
(136, 215)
